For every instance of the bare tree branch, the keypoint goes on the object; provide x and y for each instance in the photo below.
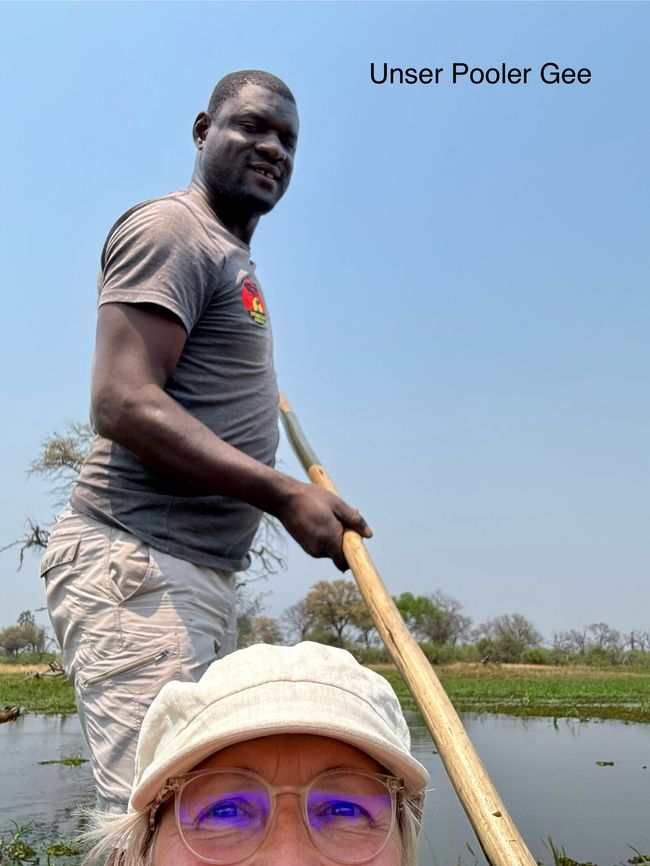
(35, 537)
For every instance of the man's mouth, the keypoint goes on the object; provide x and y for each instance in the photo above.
(270, 173)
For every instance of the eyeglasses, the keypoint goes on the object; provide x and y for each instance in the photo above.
(224, 816)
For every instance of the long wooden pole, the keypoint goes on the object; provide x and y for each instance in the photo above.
(498, 836)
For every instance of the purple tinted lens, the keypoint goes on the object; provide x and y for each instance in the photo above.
(222, 820)
(350, 816)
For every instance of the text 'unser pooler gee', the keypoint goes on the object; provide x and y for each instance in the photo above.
(549, 73)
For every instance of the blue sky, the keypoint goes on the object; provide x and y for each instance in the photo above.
(458, 276)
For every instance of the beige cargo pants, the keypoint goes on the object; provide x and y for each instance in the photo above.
(128, 619)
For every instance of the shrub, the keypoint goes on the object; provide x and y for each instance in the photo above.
(371, 655)
(637, 659)
(537, 656)
(326, 637)
(601, 657)
(444, 653)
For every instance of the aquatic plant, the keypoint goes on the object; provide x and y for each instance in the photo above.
(15, 850)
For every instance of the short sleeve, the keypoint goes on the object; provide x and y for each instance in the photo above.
(156, 255)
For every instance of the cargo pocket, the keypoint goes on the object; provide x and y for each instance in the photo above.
(106, 670)
(59, 553)
(58, 568)
(125, 682)
(113, 693)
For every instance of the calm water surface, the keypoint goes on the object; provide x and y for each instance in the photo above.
(45, 794)
(544, 771)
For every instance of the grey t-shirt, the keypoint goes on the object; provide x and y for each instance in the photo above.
(173, 252)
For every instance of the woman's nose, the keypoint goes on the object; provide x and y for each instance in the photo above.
(288, 842)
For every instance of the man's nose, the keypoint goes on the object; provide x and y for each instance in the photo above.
(272, 147)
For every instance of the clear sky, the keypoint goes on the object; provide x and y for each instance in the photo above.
(457, 278)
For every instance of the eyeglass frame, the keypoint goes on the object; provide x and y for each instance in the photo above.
(175, 785)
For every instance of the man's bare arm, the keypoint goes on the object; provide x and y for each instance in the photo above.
(136, 352)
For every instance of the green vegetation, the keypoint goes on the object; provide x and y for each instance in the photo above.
(24, 637)
(67, 762)
(18, 847)
(520, 690)
(36, 694)
(28, 658)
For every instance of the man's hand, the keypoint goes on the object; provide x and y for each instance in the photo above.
(317, 520)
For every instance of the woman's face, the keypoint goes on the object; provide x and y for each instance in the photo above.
(283, 760)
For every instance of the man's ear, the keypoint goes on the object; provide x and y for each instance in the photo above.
(200, 128)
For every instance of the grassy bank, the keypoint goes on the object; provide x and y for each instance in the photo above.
(531, 690)
(35, 694)
(520, 690)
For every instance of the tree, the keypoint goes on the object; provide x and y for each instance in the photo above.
(598, 637)
(252, 625)
(296, 621)
(261, 629)
(435, 617)
(419, 613)
(602, 637)
(638, 641)
(26, 636)
(331, 605)
(309, 619)
(504, 638)
(571, 641)
(452, 626)
(365, 625)
(513, 625)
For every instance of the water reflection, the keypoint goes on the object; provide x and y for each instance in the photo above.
(544, 769)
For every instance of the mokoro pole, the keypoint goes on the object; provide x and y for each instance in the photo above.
(498, 836)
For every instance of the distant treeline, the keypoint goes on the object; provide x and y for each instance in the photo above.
(334, 613)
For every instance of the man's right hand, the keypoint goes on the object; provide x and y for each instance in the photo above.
(317, 520)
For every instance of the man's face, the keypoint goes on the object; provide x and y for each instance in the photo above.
(247, 150)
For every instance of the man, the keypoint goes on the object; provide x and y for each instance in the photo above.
(139, 568)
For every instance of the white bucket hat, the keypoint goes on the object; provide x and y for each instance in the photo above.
(264, 690)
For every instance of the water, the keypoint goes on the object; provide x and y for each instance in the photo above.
(47, 795)
(545, 772)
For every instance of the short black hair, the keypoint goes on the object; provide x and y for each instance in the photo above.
(232, 83)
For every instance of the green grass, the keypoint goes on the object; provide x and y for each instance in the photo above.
(25, 658)
(42, 695)
(519, 690)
